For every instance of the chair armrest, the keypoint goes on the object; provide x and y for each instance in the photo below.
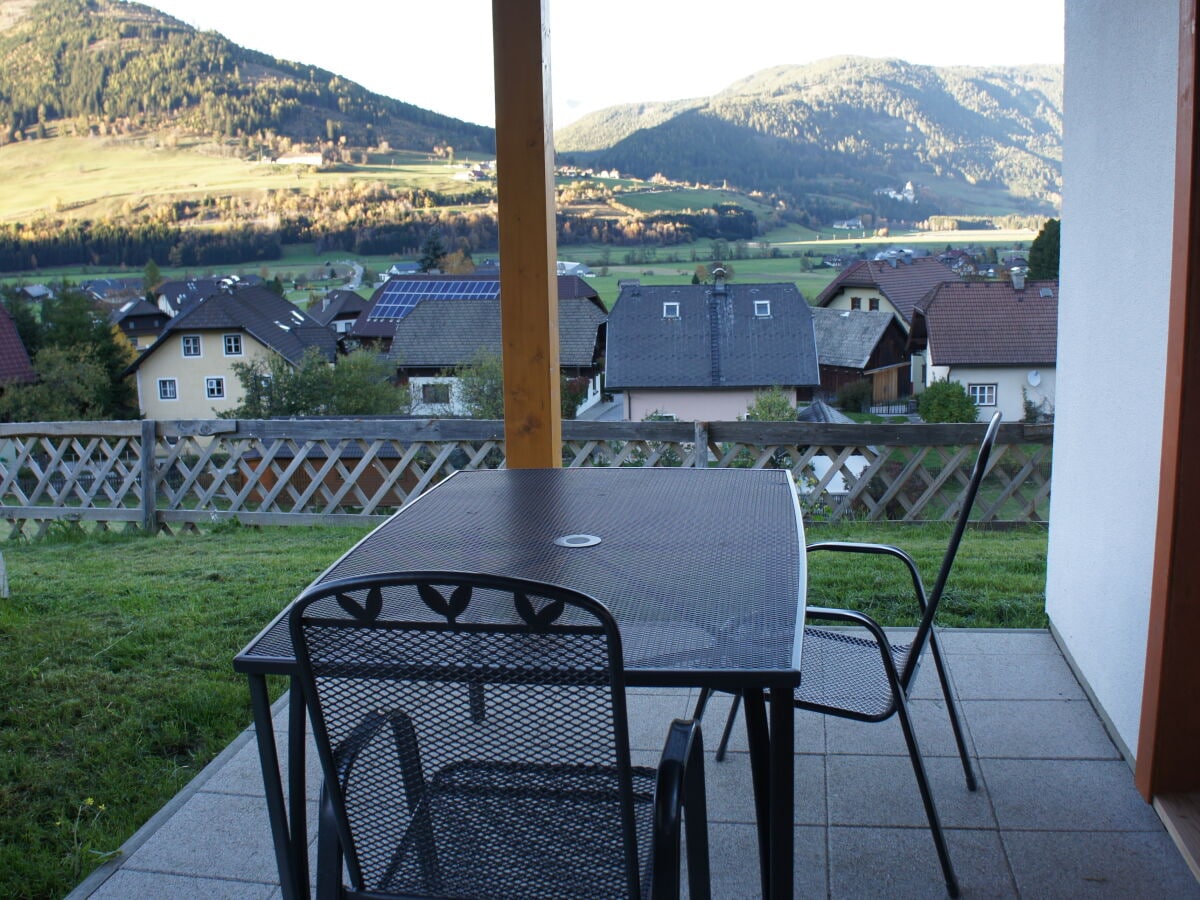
(680, 787)
(878, 550)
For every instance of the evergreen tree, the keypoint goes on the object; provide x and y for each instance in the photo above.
(432, 252)
(1043, 252)
(151, 279)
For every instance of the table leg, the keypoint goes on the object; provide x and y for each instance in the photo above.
(297, 785)
(268, 757)
(760, 776)
(783, 790)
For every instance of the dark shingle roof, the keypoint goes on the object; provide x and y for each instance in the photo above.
(337, 303)
(989, 323)
(848, 337)
(14, 360)
(820, 411)
(263, 314)
(445, 332)
(716, 340)
(569, 286)
(902, 281)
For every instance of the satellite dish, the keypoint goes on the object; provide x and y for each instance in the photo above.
(1034, 378)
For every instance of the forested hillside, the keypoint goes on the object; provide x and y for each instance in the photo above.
(830, 134)
(106, 66)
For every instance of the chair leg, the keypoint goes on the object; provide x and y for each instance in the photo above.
(935, 823)
(702, 703)
(733, 711)
(329, 854)
(952, 709)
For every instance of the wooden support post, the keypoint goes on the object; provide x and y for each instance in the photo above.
(528, 276)
(149, 476)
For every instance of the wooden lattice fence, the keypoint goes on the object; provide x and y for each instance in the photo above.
(328, 471)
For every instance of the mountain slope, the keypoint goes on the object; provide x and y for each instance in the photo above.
(843, 127)
(88, 64)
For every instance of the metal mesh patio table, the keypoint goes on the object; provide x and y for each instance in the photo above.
(677, 555)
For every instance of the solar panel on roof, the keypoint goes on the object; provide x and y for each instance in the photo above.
(399, 297)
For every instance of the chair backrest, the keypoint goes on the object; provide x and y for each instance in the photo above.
(469, 685)
(966, 502)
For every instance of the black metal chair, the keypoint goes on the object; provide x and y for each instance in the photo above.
(473, 736)
(867, 677)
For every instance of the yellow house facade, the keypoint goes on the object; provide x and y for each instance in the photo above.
(188, 373)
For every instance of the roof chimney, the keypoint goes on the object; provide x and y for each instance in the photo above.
(1018, 280)
(718, 280)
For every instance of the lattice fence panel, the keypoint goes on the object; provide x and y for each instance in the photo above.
(62, 475)
(56, 478)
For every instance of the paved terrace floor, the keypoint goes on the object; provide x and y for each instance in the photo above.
(1056, 814)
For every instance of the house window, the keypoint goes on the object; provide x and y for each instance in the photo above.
(762, 308)
(168, 389)
(671, 310)
(435, 392)
(233, 345)
(873, 303)
(214, 388)
(856, 302)
(982, 394)
(191, 344)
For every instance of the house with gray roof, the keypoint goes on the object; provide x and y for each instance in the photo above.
(140, 321)
(999, 339)
(400, 294)
(441, 333)
(189, 372)
(338, 310)
(856, 345)
(891, 285)
(704, 352)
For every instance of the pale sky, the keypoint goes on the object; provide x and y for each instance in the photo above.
(439, 55)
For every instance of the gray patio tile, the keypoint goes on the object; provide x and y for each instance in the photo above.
(127, 883)
(215, 836)
(1029, 676)
(808, 733)
(931, 722)
(1067, 729)
(1066, 795)
(243, 773)
(882, 791)
(1091, 864)
(731, 795)
(733, 850)
(900, 863)
(997, 642)
(650, 717)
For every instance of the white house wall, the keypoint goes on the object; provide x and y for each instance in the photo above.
(866, 295)
(1012, 387)
(1118, 173)
(689, 406)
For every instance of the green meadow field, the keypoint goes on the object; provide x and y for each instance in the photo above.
(95, 178)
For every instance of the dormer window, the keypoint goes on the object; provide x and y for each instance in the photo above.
(762, 308)
(670, 310)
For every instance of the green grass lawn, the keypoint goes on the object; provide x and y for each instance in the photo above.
(116, 662)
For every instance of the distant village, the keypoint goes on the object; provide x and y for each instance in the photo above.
(885, 328)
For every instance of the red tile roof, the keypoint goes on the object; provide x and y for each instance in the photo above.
(14, 360)
(979, 323)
